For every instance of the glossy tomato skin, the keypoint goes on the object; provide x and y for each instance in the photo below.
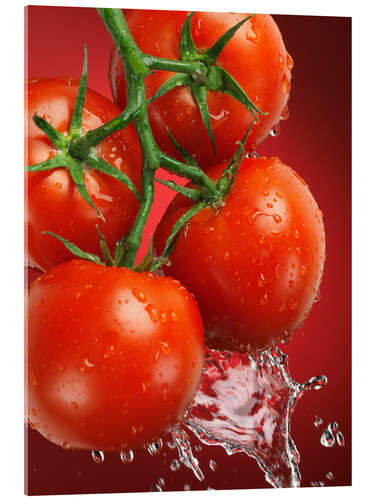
(52, 200)
(256, 263)
(114, 356)
(256, 57)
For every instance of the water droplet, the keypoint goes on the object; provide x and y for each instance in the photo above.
(281, 61)
(289, 61)
(171, 445)
(317, 296)
(340, 439)
(155, 447)
(140, 296)
(226, 255)
(85, 364)
(276, 218)
(187, 487)
(285, 84)
(156, 487)
(264, 300)
(265, 180)
(213, 465)
(150, 308)
(175, 465)
(333, 426)
(173, 316)
(330, 476)
(127, 456)
(297, 234)
(66, 445)
(165, 347)
(318, 421)
(58, 185)
(98, 456)
(74, 405)
(261, 280)
(285, 113)
(327, 438)
(197, 448)
(275, 131)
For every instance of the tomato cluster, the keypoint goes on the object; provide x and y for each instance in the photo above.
(114, 355)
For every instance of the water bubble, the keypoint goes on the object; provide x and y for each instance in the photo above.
(318, 421)
(330, 476)
(98, 456)
(213, 465)
(126, 456)
(155, 447)
(175, 465)
(327, 439)
(340, 439)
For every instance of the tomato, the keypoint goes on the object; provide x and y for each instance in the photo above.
(53, 201)
(256, 58)
(254, 264)
(114, 356)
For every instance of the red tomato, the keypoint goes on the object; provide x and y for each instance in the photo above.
(256, 263)
(53, 201)
(256, 58)
(114, 356)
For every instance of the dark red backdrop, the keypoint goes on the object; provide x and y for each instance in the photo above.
(316, 141)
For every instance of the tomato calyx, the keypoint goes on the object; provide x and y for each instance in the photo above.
(207, 75)
(74, 155)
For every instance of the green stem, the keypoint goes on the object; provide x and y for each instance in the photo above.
(176, 66)
(194, 174)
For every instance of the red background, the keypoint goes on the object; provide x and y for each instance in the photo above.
(315, 141)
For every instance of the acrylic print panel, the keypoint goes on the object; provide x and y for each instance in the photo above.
(245, 428)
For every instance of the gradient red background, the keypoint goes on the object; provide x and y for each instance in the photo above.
(315, 141)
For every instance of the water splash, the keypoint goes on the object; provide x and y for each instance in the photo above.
(244, 404)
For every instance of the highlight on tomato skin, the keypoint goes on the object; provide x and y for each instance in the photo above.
(53, 202)
(256, 57)
(254, 264)
(114, 357)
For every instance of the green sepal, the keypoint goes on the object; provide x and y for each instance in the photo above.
(210, 55)
(220, 80)
(76, 121)
(119, 250)
(104, 248)
(56, 137)
(184, 154)
(57, 161)
(102, 166)
(76, 172)
(192, 194)
(176, 80)
(178, 226)
(76, 250)
(200, 95)
(188, 51)
(143, 265)
(226, 180)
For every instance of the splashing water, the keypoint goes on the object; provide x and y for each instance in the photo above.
(244, 404)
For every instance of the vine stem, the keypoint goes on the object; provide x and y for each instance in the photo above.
(137, 67)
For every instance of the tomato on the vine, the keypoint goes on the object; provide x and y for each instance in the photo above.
(114, 356)
(53, 201)
(256, 262)
(255, 57)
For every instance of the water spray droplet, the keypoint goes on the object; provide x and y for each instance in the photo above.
(175, 465)
(126, 456)
(98, 456)
(327, 439)
(340, 439)
(318, 421)
(213, 465)
(155, 447)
